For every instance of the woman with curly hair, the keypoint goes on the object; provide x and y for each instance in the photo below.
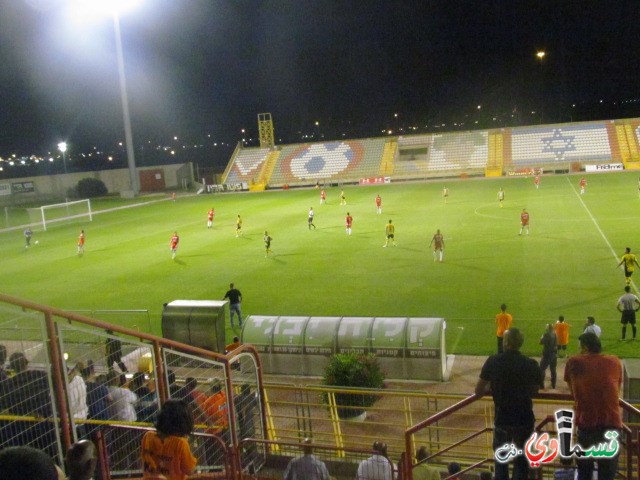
(166, 452)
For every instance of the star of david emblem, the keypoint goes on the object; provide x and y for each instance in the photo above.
(558, 144)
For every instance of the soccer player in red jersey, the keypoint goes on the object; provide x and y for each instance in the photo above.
(81, 243)
(438, 246)
(210, 214)
(323, 197)
(378, 204)
(348, 221)
(583, 185)
(524, 221)
(173, 244)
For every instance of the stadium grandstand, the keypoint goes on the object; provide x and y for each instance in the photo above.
(558, 148)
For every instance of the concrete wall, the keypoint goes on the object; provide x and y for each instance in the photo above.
(56, 186)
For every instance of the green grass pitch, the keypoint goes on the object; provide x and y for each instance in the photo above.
(567, 265)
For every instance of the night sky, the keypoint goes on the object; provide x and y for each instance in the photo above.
(207, 67)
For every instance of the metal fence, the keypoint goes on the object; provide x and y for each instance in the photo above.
(71, 377)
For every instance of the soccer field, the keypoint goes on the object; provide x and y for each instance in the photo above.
(567, 265)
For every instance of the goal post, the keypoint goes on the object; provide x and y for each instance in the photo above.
(61, 212)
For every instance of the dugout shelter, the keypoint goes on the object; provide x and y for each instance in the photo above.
(199, 323)
(406, 348)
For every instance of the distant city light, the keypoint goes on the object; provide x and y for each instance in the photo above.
(172, 152)
(540, 54)
(175, 138)
(479, 107)
(317, 123)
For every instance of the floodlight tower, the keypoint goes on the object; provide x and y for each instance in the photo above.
(265, 130)
(115, 8)
(540, 55)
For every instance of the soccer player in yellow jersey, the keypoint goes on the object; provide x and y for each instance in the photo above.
(630, 261)
(238, 226)
(390, 231)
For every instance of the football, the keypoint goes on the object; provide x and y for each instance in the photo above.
(37, 242)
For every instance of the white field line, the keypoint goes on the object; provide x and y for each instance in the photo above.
(604, 237)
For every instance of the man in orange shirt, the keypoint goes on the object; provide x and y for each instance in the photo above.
(503, 323)
(562, 334)
(594, 380)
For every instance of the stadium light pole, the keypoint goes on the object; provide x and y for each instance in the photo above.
(115, 8)
(128, 135)
(62, 146)
(540, 55)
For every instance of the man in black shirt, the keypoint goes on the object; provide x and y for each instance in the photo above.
(513, 380)
(235, 297)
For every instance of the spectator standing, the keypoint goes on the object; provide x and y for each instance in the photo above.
(424, 471)
(628, 305)
(113, 347)
(549, 355)
(377, 466)
(122, 399)
(81, 460)
(27, 394)
(235, 299)
(147, 405)
(513, 380)
(171, 382)
(503, 323)
(77, 393)
(594, 380)
(562, 335)
(98, 397)
(165, 451)
(591, 327)
(307, 466)
(232, 346)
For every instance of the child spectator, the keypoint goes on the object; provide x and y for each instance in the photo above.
(166, 451)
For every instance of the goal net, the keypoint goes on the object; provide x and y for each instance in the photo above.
(67, 212)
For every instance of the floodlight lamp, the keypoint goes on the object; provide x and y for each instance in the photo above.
(540, 54)
(62, 146)
(105, 7)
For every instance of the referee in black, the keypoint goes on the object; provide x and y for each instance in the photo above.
(628, 305)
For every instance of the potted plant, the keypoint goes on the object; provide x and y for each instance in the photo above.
(353, 370)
